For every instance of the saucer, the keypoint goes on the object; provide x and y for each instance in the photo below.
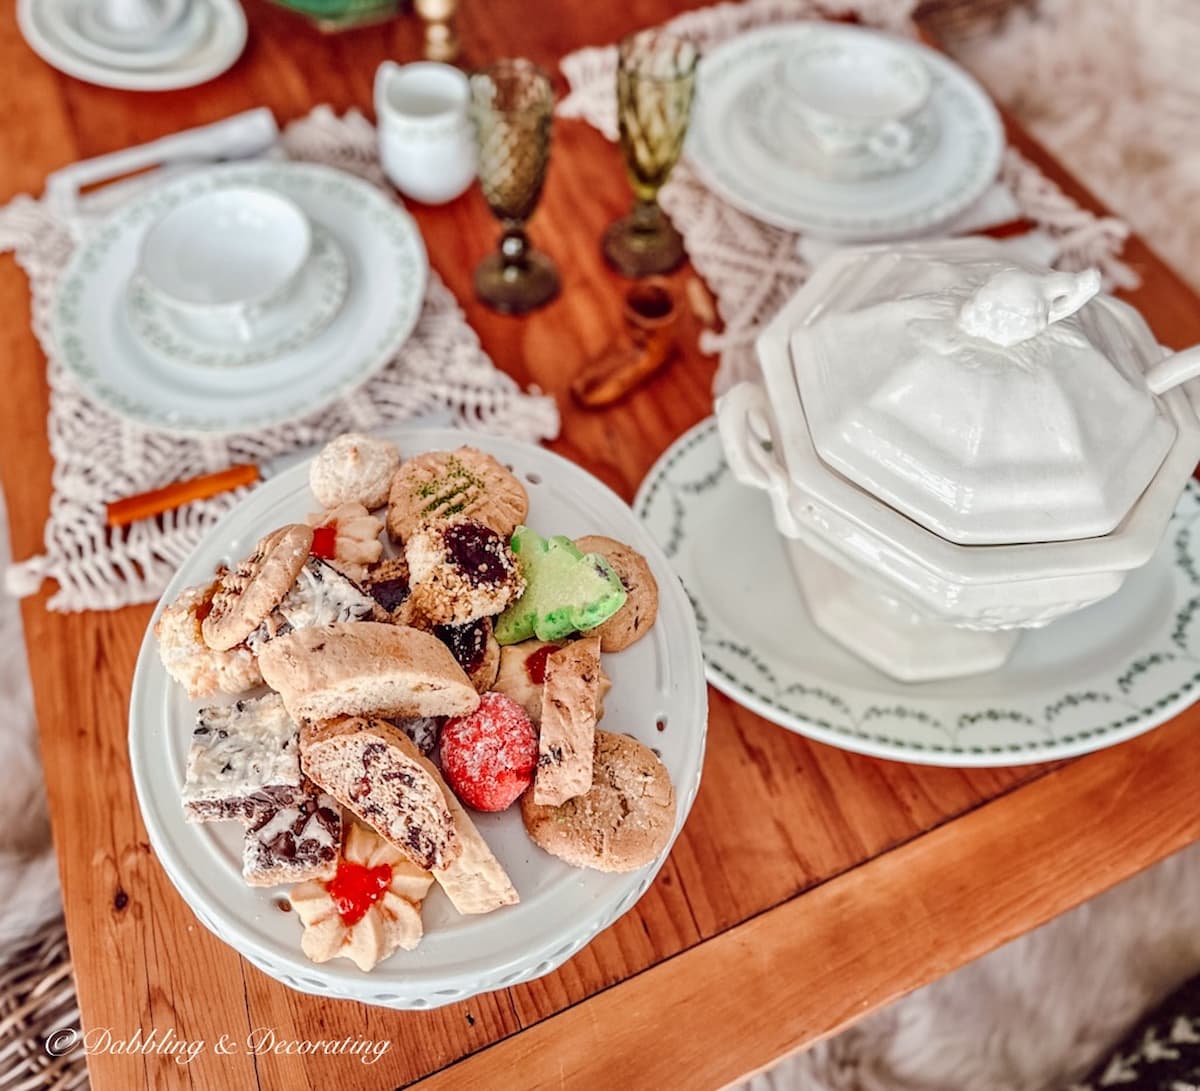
(317, 297)
(758, 178)
(385, 294)
(801, 151)
(209, 54)
(76, 26)
(1087, 681)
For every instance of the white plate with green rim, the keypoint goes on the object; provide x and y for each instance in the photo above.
(724, 146)
(1089, 680)
(387, 274)
(316, 299)
(658, 696)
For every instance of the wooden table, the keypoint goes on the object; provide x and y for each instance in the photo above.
(809, 886)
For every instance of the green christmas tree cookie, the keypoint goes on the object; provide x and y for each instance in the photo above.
(565, 591)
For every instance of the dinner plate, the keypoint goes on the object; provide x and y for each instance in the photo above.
(387, 274)
(725, 146)
(1089, 680)
(218, 44)
(658, 696)
(311, 305)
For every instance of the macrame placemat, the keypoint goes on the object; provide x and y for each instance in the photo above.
(753, 269)
(99, 457)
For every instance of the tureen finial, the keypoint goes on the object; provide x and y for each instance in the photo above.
(1012, 305)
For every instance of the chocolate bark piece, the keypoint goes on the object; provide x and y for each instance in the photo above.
(242, 755)
(321, 595)
(294, 842)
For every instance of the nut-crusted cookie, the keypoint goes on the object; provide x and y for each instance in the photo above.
(354, 468)
(438, 485)
(201, 670)
(249, 592)
(621, 823)
(636, 618)
(460, 570)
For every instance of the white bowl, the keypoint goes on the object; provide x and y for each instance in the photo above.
(221, 259)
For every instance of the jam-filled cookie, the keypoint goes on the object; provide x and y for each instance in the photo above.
(437, 486)
(459, 571)
(636, 618)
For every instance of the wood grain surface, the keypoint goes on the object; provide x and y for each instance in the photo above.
(788, 838)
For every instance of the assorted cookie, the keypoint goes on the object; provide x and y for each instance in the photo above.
(462, 672)
(354, 469)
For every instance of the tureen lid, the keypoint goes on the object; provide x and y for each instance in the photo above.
(991, 401)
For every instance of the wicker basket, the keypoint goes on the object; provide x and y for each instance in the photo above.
(37, 997)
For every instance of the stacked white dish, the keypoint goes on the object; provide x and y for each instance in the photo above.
(958, 448)
(842, 132)
(239, 297)
(136, 45)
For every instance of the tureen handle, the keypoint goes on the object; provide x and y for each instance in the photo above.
(745, 434)
(1177, 368)
(1013, 305)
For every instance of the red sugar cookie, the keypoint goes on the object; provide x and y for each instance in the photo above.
(489, 756)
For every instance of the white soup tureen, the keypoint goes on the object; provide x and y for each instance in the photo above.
(958, 446)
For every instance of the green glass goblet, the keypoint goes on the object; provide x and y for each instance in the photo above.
(656, 81)
(511, 107)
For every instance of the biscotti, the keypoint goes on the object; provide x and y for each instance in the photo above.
(372, 768)
(568, 729)
(363, 668)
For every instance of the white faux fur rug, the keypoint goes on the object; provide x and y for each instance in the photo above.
(1112, 87)
(26, 859)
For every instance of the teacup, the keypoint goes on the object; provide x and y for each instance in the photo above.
(853, 95)
(222, 260)
(426, 143)
(130, 24)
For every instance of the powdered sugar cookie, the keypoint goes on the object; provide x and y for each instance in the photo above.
(438, 485)
(354, 469)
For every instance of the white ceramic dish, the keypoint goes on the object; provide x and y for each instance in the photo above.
(659, 679)
(131, 24)
(1088, 681)
(752, 176)
(319, 294)
(849, 93)
(81, 32)
(214, 51)
(387, 275)
(225, 258)
(1077, 435)
(426, 143)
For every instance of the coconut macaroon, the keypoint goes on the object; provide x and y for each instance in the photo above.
(459, 571)
(354, 468)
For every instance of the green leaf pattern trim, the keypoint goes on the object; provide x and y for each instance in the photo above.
(1084, 715)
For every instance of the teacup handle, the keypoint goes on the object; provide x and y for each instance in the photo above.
(246, 317)
(892, 141)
